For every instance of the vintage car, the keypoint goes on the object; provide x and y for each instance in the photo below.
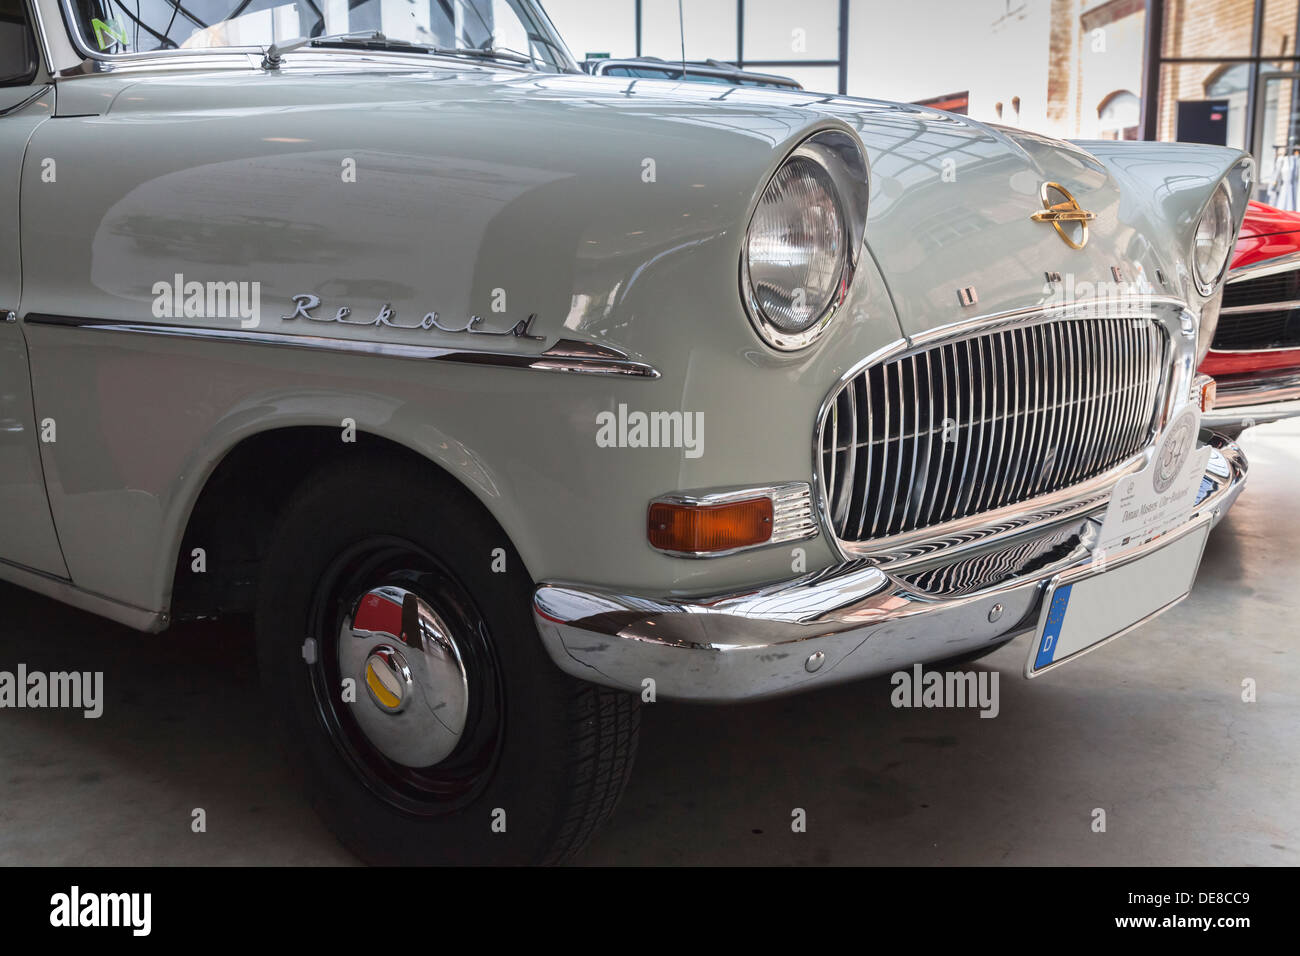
(1254, 352)
(507, 398)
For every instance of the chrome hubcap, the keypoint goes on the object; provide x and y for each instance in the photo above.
(415, 701)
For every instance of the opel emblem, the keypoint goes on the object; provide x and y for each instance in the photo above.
(387, 678)
(1065, 214)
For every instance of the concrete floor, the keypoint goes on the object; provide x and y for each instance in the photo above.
(1152, 729)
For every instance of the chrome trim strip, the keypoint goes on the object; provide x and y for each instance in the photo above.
(1256, 390)
(43, 36)
(1267, 267)
(1283, 306)
(1237, 417)
(17, 107)
(1241, 351)
(984, 453)
(62, 589)
(566, 355)
(991, 322)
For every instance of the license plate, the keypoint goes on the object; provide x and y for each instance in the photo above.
(1086, 607)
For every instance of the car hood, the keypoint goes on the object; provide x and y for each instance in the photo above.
(625, 173)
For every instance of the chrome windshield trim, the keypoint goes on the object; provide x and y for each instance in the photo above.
(566, 355)
(43, 37)
(103, 61)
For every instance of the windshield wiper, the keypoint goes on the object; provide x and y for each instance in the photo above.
(360, 40)
(375, 40)
(490, 53)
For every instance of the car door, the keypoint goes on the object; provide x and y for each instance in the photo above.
(27, 534)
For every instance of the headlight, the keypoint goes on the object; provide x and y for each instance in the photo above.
(803, 240)
(1213, 242)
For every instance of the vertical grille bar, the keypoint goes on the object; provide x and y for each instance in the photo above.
(885, 444)
(986, 427)
(989, 499)
(936, 494)
(900, 449)
(954, 495)
(1131, 406)
(1075, 382)
(916, 444)
(1052, 349)
(1030, 459)
(1017, 421)
(868, 481)
(1093, 380)
(1105, 416)
(844, 490)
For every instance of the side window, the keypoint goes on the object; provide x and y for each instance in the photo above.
(17, 44)
(651, 73)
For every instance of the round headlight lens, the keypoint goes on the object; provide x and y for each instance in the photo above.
(796, 252)
(1213, 242)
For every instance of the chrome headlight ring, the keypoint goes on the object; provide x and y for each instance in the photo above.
(1215, 236)
(804, 240)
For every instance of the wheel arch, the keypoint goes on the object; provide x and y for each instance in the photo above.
(232, 508)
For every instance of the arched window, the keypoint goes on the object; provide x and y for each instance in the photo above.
(1119, 115)
(1229, 84)
(1229, 79)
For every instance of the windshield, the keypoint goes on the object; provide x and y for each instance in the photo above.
(517, 27)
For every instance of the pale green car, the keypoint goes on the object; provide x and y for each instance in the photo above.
(507, 398)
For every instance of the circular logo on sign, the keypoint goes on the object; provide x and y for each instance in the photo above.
(1178, 443)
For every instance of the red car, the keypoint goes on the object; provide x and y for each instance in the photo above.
(1255, 354)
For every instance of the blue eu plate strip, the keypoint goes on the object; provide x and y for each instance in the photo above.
(1052, 629)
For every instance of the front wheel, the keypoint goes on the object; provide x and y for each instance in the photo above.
(421, 709)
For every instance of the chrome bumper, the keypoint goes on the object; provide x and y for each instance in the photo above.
(1243, 402)
(840, 624)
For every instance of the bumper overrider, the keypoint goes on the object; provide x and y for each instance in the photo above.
(847, 622)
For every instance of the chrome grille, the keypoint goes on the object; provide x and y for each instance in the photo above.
(981, 423)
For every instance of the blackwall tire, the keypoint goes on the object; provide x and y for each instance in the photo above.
(540, 759)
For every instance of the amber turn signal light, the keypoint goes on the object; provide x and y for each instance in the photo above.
(1208, 392)
(709, 529)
